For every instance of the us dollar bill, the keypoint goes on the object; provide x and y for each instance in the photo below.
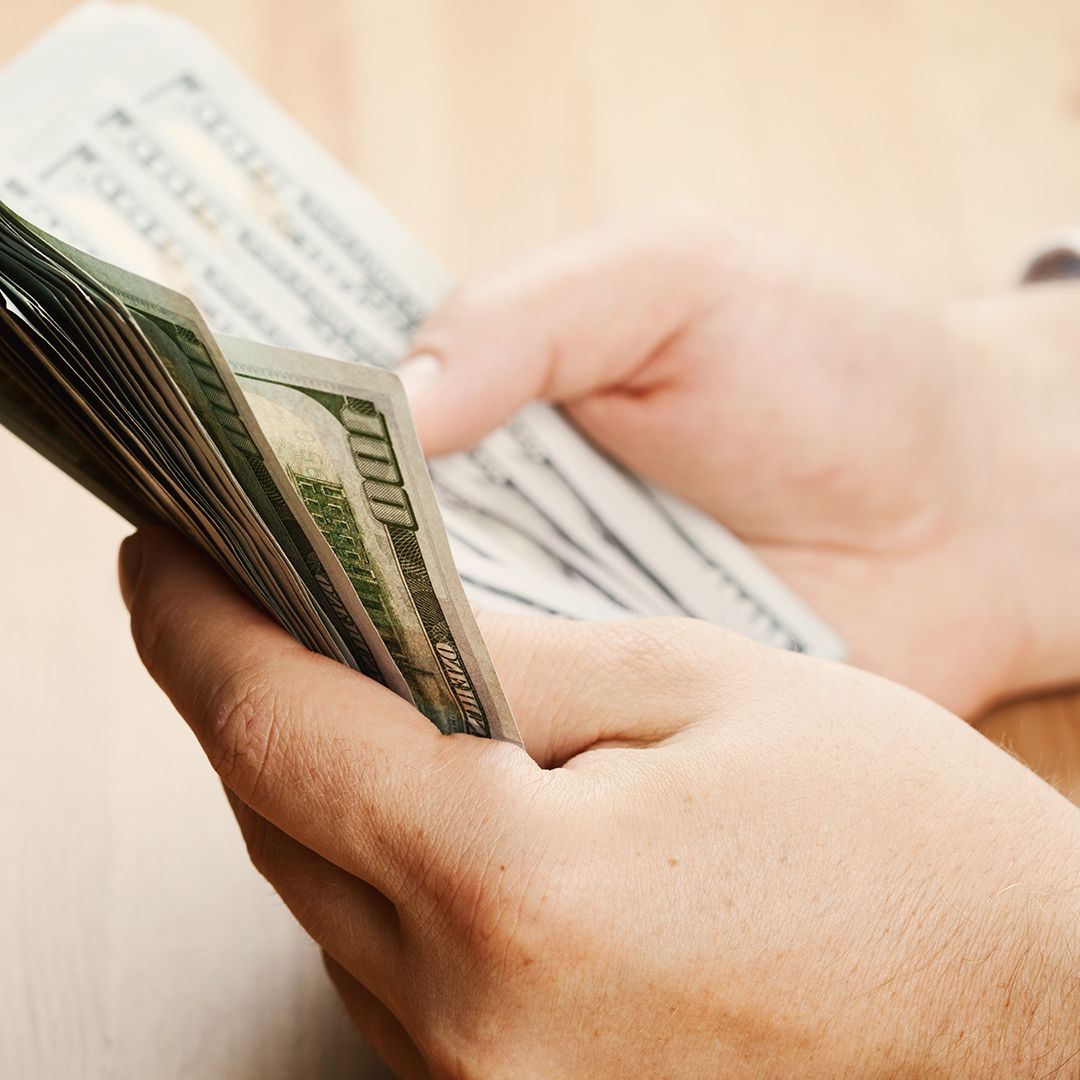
(363, 576)
(173, 163)
(342, 433)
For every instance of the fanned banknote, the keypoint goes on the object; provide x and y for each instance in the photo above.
(174, 165)
(306, 482)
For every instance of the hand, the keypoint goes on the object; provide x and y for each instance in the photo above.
(912, 472)
(729, 861)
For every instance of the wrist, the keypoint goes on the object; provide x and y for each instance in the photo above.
(1020, 380)
(999, 992)
(1025, 1012)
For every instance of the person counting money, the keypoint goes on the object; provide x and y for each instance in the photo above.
(715, 858)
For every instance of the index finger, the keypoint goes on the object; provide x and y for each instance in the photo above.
(577, 319)
(332, 758)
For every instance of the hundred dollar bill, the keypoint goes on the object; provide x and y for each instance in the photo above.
(132, 365)
(175, 164)
(342, 433)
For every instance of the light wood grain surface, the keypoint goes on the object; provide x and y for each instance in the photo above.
(936, 140)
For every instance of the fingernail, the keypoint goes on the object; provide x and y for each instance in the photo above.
(418, 374)
(131, 560)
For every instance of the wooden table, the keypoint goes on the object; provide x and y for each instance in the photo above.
(936, 140)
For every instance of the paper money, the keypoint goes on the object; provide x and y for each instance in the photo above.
(174, 165)
(344, 437)
(317, 501)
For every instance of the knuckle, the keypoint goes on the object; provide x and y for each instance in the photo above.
(684, 663)
(683, 647)
(650, 647)
(508, 912)
(483, 1051)
(243, 732)
(640, 642)
(533, 919)
(483, 908)
(448, 854)
(719, 648)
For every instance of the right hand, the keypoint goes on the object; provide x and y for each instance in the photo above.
(899, 466)
(726, 860)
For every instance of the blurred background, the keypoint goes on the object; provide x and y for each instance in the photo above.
(939, 142)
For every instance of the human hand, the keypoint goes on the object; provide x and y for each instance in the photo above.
(912, 472)
(728, 861)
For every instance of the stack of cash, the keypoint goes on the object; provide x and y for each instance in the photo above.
(300, 475)
(138, 142)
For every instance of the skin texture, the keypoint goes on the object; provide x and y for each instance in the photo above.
(717, 859)
(736, 862)
(910, 471)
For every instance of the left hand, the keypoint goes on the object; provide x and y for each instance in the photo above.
(909, 469)
(726, 860)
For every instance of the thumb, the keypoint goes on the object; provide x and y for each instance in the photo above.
(576, 685)
(579, 318)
